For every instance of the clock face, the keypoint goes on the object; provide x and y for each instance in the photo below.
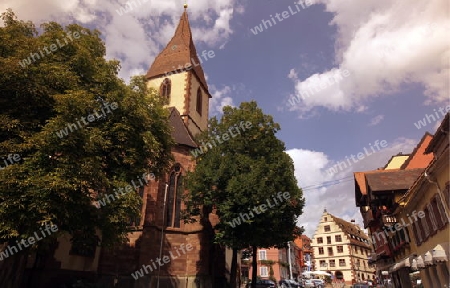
(174, 47)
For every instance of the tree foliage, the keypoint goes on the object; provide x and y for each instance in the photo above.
(58, 178)
(235, 177)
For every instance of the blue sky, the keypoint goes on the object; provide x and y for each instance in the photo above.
(396, 55)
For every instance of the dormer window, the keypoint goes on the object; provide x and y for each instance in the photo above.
(199, 101)
(165, 89)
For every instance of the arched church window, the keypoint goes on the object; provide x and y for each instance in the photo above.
(199, 101)
(175, 191)
(166, 88)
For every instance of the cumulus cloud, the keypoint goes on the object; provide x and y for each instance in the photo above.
(335, 192)
(136, 36)
(384, 45)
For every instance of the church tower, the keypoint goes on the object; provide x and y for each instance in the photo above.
(163, 251)
(178, 76)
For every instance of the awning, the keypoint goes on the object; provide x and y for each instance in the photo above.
(407, 263)
(438, 254)
(428, 259)
(417, 263)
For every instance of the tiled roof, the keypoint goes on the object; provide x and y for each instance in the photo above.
(389, 180)
(354, 233)
(179, 52)
(418, 158)
(179, 132)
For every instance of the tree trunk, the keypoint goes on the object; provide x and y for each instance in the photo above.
(254, 266)
(233, 269)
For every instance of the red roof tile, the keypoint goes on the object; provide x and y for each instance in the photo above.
(179, 52)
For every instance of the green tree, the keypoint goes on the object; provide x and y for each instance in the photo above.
(236, 177)
(59, 175)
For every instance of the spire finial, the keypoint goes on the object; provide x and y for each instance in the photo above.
(185, 5)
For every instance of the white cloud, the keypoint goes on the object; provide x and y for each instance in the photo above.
(384, 44)
(220, 98)
(137, 36)
(376, 120)
(335, 192)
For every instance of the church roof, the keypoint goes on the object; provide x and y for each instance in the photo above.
(180, 133)
(178, 52)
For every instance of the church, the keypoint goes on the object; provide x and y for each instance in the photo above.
(163, 250)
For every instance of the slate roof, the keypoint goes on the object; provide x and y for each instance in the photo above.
(180, 132)
(178, 52)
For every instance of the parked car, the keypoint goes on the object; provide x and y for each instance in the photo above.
(262, 283)
(361, 285)
(286, 283)
(318, 283)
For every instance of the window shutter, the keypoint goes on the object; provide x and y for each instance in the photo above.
(425, 230)
(441, 209)
(416, 231)
(432, 218)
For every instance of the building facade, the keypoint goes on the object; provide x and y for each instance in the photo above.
(277, 263)
(341, 248)
(405, 206)
(305, 253)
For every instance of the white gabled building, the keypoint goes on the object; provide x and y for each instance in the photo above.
(342, 249)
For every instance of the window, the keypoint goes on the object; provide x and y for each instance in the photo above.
(330, 251)
(199, 101)
(174, 197)
(340, 249)
(328, 239)
(320, 250)
(263, 271)
(325, 219)
(326, 228)
(322, 263)
(341, 262)
(166, 88)
(338, 238)
(262, 255)
(332, 263)
(360, 250)
(319, 240)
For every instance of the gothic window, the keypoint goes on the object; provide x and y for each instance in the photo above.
(174, 191)
(166, 88)
(199, 101)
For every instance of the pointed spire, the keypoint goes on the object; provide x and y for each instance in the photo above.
(178, 54)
